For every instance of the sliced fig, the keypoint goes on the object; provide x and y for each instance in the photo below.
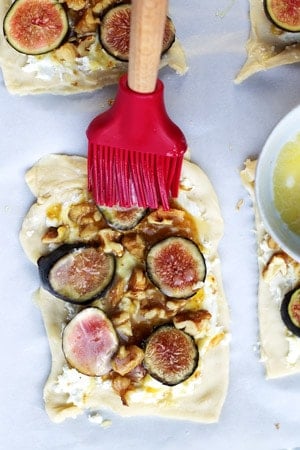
(285, 14)
(77, 273)
(114, 32)
(290, 311)
(171, 355)
(89, 342)
(34, 27)
(176, 266)
(122, 218)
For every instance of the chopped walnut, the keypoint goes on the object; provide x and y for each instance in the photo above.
(66, 53)
(154, 313)
(87, 24)
(98, 6)
(116, 293)
(56, 235)
(122, 324)
(84, 213)
(174, 306)
(127, 358)
(279, 263)
(110, 239)
(89, 232)
(161, 217)
(135, 245)
(121, 385)
(272, 244)
(77, 5)
(193, 322)
(276, 265)
(83, 47)
(137, 281)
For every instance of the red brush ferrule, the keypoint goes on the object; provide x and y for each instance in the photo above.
(138, 122)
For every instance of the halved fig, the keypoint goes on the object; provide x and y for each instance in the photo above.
(77, 273)
(176, 266)
(89, 342)
(285, 14)
(290, 311)
(34, 27)
(171, 355)
(114, 32)
(122, 218)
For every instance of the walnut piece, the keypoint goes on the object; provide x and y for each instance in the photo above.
(137, 281)
(276, 265)
(135, 245)
(84, 213)
(110, 239)
(55, 235)
(127, 358)
(66, 53)
(122, 324)
(87, 24)
(161, 217)
(193, 322)
(76, 5)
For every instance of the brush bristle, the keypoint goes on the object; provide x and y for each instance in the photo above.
(129, 178)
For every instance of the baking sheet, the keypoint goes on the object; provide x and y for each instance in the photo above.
(224, 124)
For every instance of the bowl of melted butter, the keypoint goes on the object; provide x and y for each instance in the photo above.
(277, 184)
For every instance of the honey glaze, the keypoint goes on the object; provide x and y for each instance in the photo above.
(286, 184)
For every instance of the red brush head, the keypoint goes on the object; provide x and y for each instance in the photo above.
(135, 151)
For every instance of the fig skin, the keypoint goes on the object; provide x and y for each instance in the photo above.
(171, 355)
(288, 9)
(114, 31)
(285, 311)
(26, 26)
(122, 219)
(47, 262)
(89, 342)
(187, 269)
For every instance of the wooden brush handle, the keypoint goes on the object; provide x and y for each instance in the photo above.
(148, 19)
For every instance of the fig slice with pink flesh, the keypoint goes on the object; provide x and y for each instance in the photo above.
(171, 355)
(176, 266)
(89, 342)
(122, 219)
(284, 14)
(77, 273)
(290, 311)
(34, 27)
(114, 31)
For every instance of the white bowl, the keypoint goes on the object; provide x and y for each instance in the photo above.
(286, 130)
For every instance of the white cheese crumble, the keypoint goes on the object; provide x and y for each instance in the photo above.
(77, 386)
(45, 67)
(74, 384)
(97, 418)
(152, 391)
(294, 349)
(196, 210)
(282, 279)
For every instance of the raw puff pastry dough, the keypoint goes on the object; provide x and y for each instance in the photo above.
(67, 77)
(201, 400)
(267, 46)
(278, 274)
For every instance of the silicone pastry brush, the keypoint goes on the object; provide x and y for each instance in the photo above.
(135, 151)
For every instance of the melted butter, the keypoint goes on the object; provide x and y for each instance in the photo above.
(286, 184)
(54, 211)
